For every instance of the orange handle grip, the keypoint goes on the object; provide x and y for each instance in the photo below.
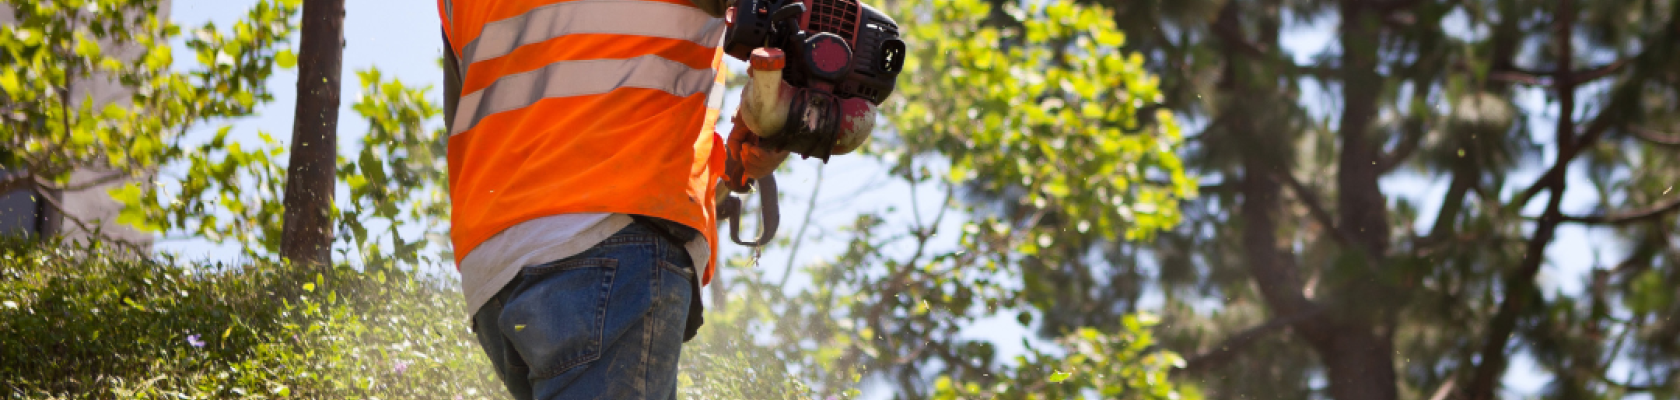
(768, 59)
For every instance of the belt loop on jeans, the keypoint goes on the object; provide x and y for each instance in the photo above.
(678, 234)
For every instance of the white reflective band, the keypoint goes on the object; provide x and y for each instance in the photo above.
(448, 12)
(582, 78)
(618, 17)
(715, 99)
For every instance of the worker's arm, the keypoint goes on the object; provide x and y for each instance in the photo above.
(451, 84)
(756, 161)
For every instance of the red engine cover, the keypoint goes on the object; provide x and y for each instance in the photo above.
(839, 17)
(830, 56)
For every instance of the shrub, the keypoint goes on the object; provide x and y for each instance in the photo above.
(86, 322)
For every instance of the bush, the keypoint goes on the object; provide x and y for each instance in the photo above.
(86, 322)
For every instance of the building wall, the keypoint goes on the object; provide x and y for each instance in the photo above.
(20, 214)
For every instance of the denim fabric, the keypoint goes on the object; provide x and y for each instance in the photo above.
(603, 324)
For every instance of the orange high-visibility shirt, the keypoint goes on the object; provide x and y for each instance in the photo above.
(583, 106)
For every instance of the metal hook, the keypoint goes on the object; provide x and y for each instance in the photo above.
(770, 214)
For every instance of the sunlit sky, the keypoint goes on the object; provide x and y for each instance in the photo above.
(402, 39)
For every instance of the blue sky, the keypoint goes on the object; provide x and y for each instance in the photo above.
(402, 39)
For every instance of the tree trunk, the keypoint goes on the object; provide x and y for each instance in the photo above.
(1359, 364)
(307, 234)
(1359, 352)
(1362, 207)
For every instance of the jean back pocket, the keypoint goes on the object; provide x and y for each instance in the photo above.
(556, 322)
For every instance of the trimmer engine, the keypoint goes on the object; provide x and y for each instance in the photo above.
(819, 69)
(840, 46)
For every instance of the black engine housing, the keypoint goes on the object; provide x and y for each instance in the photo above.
(797, 27)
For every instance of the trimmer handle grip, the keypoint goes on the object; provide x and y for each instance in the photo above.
(734, 171)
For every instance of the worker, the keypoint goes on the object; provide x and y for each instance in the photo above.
(583, 164)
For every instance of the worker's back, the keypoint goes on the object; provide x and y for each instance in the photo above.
(584, 106)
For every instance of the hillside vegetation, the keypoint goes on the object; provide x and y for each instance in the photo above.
(83, 322)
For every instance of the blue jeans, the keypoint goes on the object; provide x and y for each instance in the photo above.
(603, 324)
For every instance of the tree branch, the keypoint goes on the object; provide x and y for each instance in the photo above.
(810, 208)
(1550, 78)
(1408, 144)
(1444, 391)
(1395, 5)
(1399, 21)
(112, 177)
(1451, 204)
(40, 191)
(1519, 284)
(1653, 136)
(1567, 152)
(1517, 288)
(1221, 187)
(1649, 212)
(1273, 269)
(15, 182)
(1314, 206)
(1518, 77)
(1231, 346)
(1591, 74)
(1227, 28)
(1317, 71)
(1619, 99)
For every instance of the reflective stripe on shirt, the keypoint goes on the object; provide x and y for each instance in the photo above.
(579, 78)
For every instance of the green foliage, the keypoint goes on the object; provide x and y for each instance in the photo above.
(811, 351)
(1048, 110)
(396, 181)
(82, 323)
(225, 195)
(398, 176)
(1402, 172)
(221, 190)
(1113, 366)
(1050, 107)
(57, 50)
(726, 361)
(1052, 111)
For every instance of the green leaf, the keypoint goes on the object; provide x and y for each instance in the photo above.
(127, 194)
(131, 303)
(1148, 318)
(9, 82)
(1649, 293)
(285, 59)
(372, 167)
(1059, 376)
(1109, 38)
(943, 384)
(86, 46)
(159, 57)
